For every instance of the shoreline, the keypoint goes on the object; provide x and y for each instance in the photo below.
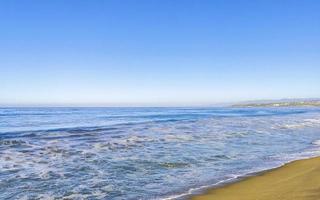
(286, 182)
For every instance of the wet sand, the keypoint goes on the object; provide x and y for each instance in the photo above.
(298, 180)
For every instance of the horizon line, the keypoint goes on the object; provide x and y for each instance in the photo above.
(137, 105)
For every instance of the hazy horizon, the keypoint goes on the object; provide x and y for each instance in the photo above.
(217, 104)
(157, 53)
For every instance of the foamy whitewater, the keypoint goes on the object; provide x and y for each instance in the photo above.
(145, 153)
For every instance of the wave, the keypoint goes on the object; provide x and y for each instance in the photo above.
(317, 142)
(302, 124)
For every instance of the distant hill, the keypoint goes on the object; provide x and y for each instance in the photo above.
(281, 103)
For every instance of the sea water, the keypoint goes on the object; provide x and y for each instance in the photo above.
(145, 153)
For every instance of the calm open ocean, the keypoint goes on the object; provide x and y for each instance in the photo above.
(145, 153)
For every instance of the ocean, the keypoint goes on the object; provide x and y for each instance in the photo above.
(145, 153)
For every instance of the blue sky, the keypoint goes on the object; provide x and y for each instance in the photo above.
(164, 52)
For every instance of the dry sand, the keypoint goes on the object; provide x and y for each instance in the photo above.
(299, 180)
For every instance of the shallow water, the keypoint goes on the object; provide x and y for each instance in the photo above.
(144, 153)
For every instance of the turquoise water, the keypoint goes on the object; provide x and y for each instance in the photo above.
(145, 153)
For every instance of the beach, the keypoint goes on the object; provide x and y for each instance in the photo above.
(298, 180)
(160, 100)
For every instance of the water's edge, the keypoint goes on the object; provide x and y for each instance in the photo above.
(205, 188)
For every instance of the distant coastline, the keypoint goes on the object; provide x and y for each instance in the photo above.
(281, 103)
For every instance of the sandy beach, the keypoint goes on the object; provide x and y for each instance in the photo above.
(298, 180)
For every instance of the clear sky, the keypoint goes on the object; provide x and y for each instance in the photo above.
(157, 52)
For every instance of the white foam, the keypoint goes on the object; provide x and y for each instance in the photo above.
(317, 142)
(302, 124)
